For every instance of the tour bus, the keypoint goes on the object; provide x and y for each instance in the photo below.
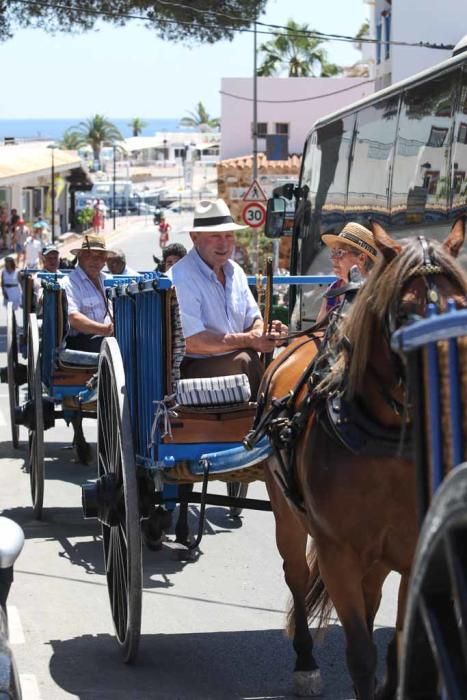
(398, 156)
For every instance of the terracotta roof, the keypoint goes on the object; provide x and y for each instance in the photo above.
(293, 162)
(23, 159)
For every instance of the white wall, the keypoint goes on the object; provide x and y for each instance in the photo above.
(436, 21)
(237, 114)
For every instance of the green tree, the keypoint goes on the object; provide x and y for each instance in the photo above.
(200, 119)
(299, 54)
(362, 33)
(71, 140)
(204, 20)
(97, 131)
(137, 125)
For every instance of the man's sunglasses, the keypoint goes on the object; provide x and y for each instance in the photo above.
(340, 253)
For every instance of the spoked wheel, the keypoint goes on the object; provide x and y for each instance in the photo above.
(36, 435)
(434, 651)
(236, 489)
(121, 531)
(12, 363)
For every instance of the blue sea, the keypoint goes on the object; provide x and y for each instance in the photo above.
(55, 128)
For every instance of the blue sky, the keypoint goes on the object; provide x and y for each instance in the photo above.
(128, 71)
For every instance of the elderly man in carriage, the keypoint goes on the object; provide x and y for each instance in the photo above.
(221, 320)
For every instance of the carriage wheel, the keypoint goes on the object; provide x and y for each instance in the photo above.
(236, 489)
(12, 363)
(36, 436)
(121, 533)
(434, 651)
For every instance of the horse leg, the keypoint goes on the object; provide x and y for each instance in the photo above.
(291, 539)
(182, 532)
(82, 449)
(342, 575)
(388, 689)
(372, 591)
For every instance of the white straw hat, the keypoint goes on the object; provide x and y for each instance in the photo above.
(355, 235)
(211, 216)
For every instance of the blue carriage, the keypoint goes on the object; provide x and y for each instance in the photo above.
(434, 646)
(152, 439)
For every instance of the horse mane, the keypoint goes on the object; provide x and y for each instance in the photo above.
(366, 317)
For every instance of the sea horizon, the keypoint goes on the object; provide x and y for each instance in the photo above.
(54, 128)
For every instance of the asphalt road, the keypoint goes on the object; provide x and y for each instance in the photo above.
(212, 627)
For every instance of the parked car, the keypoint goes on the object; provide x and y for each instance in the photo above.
(11, 544)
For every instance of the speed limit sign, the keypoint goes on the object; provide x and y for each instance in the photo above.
(254, 214)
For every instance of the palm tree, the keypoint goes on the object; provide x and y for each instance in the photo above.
(71, 140)
(301, 55)
(97, 131)
(137, 125)
(200, 119)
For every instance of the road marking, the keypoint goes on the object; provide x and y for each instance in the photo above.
(15, 628)
(29, 686)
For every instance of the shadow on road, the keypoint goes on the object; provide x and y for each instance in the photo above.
(66, 525)
(217, 666)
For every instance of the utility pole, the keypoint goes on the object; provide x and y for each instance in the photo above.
(113, 185)
(255, 130)
(255, 102)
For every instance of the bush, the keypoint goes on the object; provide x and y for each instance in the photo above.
(84, 217)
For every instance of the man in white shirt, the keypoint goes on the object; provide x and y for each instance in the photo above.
(89, 310)
(221, 320)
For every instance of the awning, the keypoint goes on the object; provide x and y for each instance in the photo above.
(17, 161)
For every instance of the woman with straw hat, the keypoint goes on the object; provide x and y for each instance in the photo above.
(353, 247)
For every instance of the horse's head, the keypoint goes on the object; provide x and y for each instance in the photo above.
(410, 275)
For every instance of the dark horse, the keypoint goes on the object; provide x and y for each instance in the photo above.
(359, 509)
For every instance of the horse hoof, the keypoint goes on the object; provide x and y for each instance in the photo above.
(307, 684)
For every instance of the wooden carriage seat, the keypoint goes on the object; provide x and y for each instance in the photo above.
(73, 367)
(217, 409)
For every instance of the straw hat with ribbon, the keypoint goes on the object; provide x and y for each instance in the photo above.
(356, 236)
(92, 243)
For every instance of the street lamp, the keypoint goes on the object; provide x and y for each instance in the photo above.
(114, 149)
(52, 147)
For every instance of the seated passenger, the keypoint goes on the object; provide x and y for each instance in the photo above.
(170, 255)
(354, 246)
(89, 310)
(221, 320)
(116, 264)
(50, 259)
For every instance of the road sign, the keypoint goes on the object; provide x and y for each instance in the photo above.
(254, 193)
(254, 214)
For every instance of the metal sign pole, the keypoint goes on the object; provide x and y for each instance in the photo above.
(255, 132)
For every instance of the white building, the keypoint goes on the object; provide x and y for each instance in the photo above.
(286, 106)
(437, 22)
(26, 178)
(172, 147)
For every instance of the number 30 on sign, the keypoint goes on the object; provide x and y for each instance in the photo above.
(254, 214)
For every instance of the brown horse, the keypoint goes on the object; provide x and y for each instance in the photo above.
(360, 509)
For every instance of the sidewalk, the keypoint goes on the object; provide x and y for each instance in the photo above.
(68, 241)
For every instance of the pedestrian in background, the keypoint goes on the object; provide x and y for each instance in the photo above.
(32, 250)
(11, 288)
(20, 236)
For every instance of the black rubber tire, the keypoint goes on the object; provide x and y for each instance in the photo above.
(433, 659)
(236, 489)
(122, 542)
(36, 436)
(12, 363)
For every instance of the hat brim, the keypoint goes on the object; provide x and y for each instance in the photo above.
(75, 251)
(218, 228)
(331, 239)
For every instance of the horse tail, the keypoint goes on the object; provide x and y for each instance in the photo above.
(318, 603)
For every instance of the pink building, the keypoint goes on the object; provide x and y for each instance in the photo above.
(287, 106)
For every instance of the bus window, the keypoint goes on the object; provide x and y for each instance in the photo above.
(370, 169)
(459, 151)
(328, 188)
(420, 179)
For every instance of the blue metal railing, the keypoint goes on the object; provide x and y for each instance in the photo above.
(425, 335)
(49, 331)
